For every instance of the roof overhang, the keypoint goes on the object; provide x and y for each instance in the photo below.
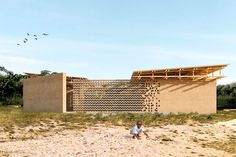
(198, 72)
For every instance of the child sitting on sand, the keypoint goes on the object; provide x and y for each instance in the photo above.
(137, 130)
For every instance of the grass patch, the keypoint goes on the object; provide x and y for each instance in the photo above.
(158, 119)
(227, 146)
(11, 116)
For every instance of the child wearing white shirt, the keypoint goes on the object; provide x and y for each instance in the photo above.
(137, 130)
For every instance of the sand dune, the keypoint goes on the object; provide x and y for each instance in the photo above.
(114, 141)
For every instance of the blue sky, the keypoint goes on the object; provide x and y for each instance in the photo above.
(107, 39)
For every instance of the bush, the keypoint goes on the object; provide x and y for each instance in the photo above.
(226, 102)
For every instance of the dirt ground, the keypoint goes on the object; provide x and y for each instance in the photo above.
(114, 141)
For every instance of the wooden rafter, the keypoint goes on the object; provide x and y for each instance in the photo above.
(189, 72)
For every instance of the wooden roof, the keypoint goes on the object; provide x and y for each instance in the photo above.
(186, 72)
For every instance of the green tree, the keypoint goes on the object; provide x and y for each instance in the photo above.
(45, 72)
(11, 87)
(226, 96)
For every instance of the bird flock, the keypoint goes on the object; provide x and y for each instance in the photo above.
(30, 36)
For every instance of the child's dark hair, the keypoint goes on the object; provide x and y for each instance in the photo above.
(139, 122)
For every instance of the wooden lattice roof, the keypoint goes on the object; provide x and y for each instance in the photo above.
(186, 72)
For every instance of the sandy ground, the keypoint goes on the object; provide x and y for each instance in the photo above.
(113, 141)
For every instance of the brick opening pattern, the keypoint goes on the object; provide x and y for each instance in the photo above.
(115, 95)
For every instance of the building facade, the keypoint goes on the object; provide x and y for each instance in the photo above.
(177, 90)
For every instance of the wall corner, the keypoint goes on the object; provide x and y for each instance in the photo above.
(63, 92)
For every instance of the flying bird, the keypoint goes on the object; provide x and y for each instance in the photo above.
(27, 38)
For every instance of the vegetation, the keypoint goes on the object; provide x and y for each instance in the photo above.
(46, 72)
(13, 116)
(226, 96)
(10, 87)
(227, 146)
